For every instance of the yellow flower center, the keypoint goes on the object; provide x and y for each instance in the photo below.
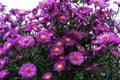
(102, 29)
(21, 12)
(96, 41)
(44, 3)
(62, 17)
(26, 40)
(88, 69)
(52, 54)
(9, 45)
(106, 15)
(59, 43)
(79, 47)
(76, 58)
(32, 23)
(28, 70)
(36, 28)
(0, 51)
(57, 49)
(2, 62)
(47, 77)
(51, 34)
(43, 36)
(4, 73)
(60, 66)
(97, 1)
(61, 57)
(56, 13)
(83, 33)
(68, 40)
(104, 37)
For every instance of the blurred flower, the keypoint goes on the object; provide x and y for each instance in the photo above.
(76, 58)
(103, 74)
(27, 70)
(26, 41)
(59, 66)
(58, 43)
(9, 44)
(3, 62)
(68, 41)
(47, 76)
(43, 37)
(2, 51)
(108, 37)
(57, 50)
(63, 18)
(4, 73)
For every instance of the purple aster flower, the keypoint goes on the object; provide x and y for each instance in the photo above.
(63, 18)
(2, 51)
(68, 41)
(45, 4)
(43, 36)
(103, 4)
(26, 41)
(57, 50)
(58, 43)
(4, 74)
(21, 12)
(105, 37)
(37, 28)
(52, 55)
(76, 58)
(89, 68)
(55, 12)
(27, 70)
(108, 37)
(3, 62)
(104, 28)
(61, 58)
(80, 48)
(100, 3)
(59, 66)
(47, 76)
(9, 44)
(84, 34)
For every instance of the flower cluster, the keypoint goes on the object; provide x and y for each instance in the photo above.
(58, 38)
